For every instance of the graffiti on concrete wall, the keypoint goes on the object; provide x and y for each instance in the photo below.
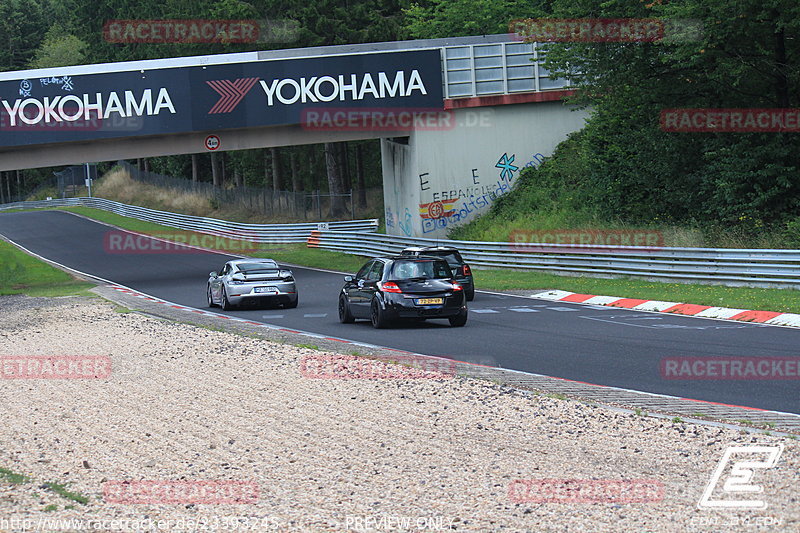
(389, 218)
(448, 208)
(536, 160)
(405, 225)
(506, 168)
(438, 208)
(436, 214)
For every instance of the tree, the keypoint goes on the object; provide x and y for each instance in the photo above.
(59, 49)
(23, 24)
(216, 174)
(744, 57)
(450, 18)
(332, 164)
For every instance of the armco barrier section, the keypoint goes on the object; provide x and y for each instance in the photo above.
(258, 233)
(759, 267)
(769, 268)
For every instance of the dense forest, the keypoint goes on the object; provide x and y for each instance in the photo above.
(621, 166)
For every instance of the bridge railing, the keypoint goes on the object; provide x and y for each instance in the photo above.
(259, 233)
(755, 267)
(496, 68)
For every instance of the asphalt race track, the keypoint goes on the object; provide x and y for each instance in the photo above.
(600, 345)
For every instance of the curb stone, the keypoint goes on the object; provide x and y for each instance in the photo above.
(771, 318)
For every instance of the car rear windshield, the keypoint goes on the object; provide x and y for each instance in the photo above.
(257, 267)
(451, 256)
(421, 268)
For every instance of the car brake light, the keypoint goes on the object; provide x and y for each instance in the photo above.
(466, 270)
(457, 287)
(389, 286)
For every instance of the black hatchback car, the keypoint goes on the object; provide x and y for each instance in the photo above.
(389, 288)
(461, 270)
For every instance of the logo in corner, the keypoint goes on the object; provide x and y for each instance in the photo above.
(231, 93)
(739, 479)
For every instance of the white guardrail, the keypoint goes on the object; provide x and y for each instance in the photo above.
(757, 267)
(258, 233)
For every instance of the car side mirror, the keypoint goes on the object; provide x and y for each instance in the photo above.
(212, 274)
(348, 278)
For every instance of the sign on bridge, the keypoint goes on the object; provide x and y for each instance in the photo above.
(213, 97)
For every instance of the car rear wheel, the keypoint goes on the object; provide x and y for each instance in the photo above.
(209, 298)
(345, 316)
(292, 304)
(470, 294)
(458, 320)
(226, 305)
(377, 315)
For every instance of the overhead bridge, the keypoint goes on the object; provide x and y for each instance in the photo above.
(458, 118)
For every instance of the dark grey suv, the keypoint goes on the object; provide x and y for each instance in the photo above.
(461, 270)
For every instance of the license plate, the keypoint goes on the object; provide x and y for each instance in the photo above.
(430, 301)
(267, 290)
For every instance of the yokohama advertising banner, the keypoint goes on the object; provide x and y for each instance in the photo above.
(84, 107)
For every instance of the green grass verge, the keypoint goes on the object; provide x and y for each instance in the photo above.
(128, 223)
(780, 300)
(62, 491)
(21, 273)
(13, 477)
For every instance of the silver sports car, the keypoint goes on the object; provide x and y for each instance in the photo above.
(251, 281)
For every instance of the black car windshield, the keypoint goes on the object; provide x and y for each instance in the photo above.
(451, 256)
(256, 267)
(421, 268)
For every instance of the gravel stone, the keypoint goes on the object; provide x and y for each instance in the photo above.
(187, 403)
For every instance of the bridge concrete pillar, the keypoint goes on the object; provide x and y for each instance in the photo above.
(450, 169)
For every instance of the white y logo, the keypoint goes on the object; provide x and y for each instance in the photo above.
(740, 478)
